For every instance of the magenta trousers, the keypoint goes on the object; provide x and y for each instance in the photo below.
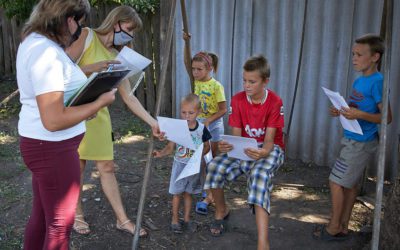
(55, 184)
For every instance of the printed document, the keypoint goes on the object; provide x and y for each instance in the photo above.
(131, 60)
(338, 102)
(176, 130)
(193, 165)
(239, 145)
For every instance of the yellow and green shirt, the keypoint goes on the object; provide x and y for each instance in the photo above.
(210, 93)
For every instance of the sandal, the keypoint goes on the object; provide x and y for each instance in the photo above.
(190, 226)
(84, 228)
(176, 228)
(219, 226)
(202, 206)
(143, 233)
(320, 233)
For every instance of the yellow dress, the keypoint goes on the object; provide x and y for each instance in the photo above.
(97, 144)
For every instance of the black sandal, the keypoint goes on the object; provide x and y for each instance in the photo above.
(176, 228)
(217, 225)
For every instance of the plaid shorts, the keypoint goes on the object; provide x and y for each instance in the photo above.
(259, 173)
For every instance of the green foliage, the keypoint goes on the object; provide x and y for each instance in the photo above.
(142, 6)
(21, 9)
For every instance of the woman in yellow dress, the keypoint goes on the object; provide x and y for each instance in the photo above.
(95, 50)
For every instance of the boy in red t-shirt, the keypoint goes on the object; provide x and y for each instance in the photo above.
(255, 113)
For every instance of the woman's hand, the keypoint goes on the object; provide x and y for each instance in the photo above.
(224, 147)
(155, 128)
(99, 66)
(107, 98)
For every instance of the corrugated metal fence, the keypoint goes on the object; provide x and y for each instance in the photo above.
(237, 29)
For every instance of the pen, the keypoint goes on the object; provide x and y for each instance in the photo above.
(110, 67)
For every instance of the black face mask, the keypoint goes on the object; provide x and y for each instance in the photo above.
(77, 33)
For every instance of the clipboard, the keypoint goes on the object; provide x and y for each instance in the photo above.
(97, 84)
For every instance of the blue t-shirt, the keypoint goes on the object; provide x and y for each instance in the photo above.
(365, 96)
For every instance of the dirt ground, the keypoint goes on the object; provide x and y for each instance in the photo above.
(299, 201)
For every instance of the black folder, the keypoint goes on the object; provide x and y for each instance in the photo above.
(97, 84)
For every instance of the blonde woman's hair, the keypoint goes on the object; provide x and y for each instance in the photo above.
(49, 18)
(120, 14)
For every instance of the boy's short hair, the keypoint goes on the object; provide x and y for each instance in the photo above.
(259, 63)
(192, 98)
(375, 43)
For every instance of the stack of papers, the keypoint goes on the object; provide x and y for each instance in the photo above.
(338, 102)
(132, 60)
(135, 62)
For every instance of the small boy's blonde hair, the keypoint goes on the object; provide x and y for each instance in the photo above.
(259, 63)
(193, 99)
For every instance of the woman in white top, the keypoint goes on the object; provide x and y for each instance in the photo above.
(50, 132)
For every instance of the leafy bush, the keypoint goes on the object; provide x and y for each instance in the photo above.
(21, 9)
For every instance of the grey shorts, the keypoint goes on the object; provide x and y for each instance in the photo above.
(190, 184)
(216, 128)
(353, 159)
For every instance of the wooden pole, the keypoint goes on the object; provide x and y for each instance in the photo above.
(383, 135)
(187, 52)
(164, 64)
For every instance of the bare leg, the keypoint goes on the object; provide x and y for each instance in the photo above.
(349, 200)
(220, 207)
(337, 197)
(111, 190)
(187, 199)
(175, 208)
(80, 225)
(262, 218)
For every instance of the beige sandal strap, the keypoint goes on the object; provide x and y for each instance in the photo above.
(124, 223)
(82, 221)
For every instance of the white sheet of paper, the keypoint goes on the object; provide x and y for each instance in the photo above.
(338, 102)
(239, 145)
(132, 60)
(176, 130)
(193, 165)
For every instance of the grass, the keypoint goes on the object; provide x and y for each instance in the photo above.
(130, 126)
(13, 106)
(10, 239)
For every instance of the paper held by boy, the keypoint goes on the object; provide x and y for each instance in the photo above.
(338, 102)
(177, 130)
(239, 145)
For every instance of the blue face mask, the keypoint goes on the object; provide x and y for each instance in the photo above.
(121, 37)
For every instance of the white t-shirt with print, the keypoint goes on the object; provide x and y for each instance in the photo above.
(43, 67)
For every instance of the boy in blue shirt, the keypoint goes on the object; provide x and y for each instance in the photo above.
(365, 106)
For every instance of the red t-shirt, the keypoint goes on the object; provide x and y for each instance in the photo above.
(254, 119)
